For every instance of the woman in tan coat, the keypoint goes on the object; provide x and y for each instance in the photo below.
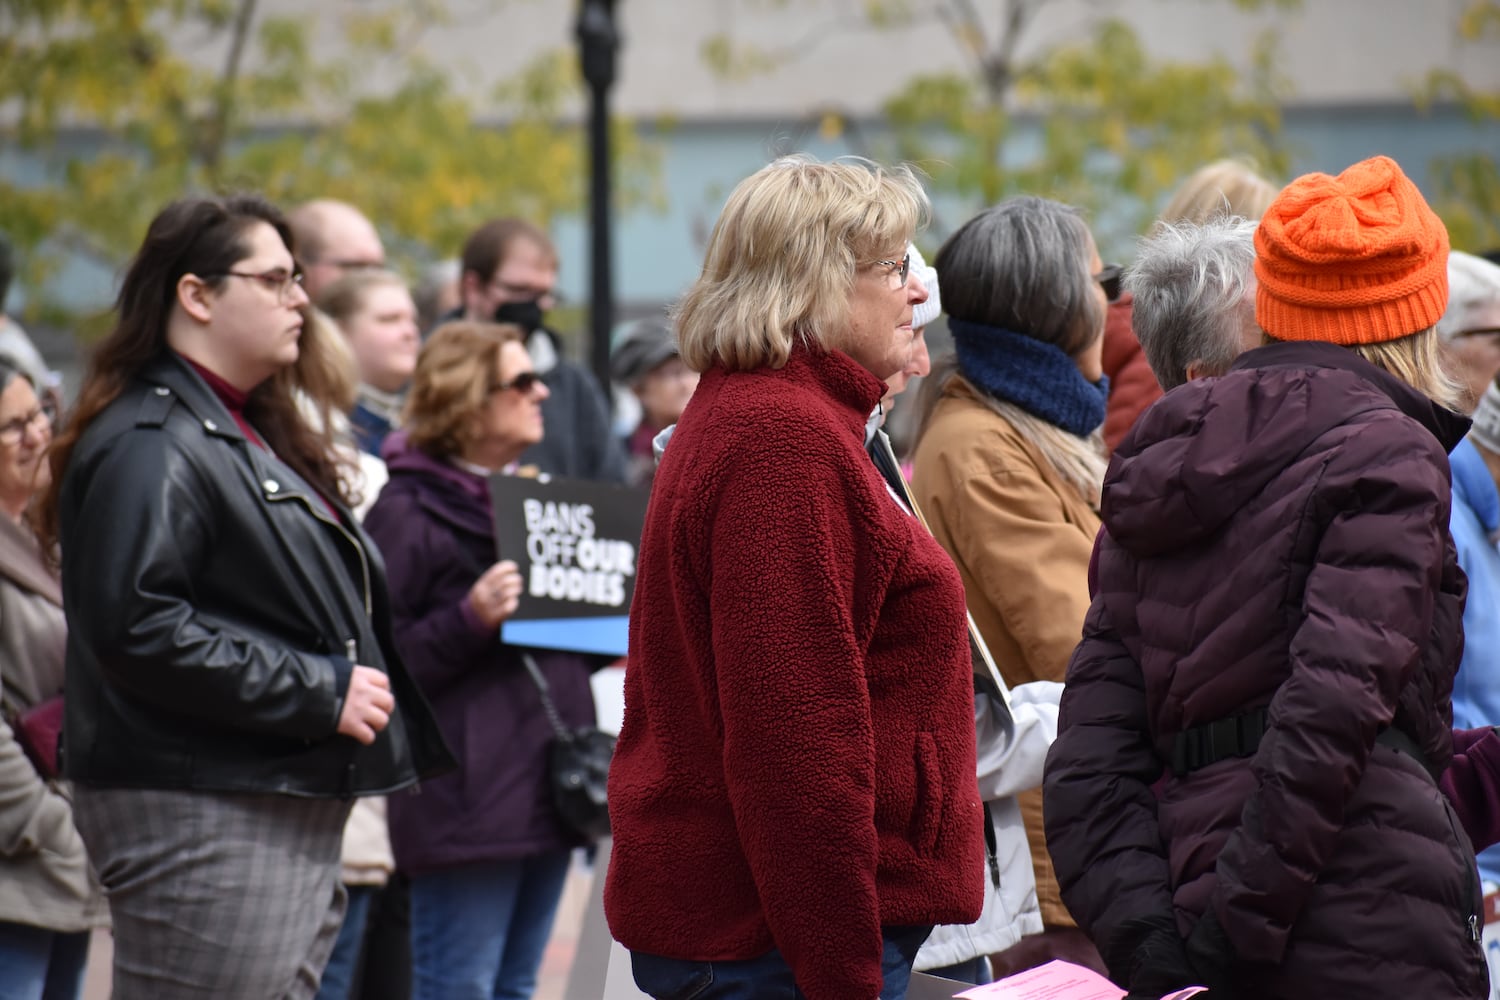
(1010, 461)
(49, 902)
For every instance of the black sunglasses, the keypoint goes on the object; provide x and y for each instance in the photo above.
(1109, 279)
(523, 383)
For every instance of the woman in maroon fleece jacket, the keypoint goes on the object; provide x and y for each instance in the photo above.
(793, 795)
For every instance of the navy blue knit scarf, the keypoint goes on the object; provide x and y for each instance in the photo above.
(1039, 378)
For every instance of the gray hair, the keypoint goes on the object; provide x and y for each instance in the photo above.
(1188, 281)
(1023, 265)
(1473, 284)
(10, 370)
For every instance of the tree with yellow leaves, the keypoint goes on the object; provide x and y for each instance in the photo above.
(117, 106)
(1467, 185)
(1114, 129)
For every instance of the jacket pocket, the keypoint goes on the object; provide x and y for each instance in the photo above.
(1470, 913)
(927, 821)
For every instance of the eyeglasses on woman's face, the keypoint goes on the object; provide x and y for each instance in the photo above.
(277, 280)
(899, 268)
(522, 383)
(1109, 279)
(12, 431)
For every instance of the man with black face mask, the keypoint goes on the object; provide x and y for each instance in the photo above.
(509, 272)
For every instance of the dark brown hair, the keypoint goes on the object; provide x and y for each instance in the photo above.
(206, 237)
(488, 246)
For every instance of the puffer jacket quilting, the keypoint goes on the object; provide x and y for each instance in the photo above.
(1276, 537)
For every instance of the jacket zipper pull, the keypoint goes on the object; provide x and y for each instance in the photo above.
(1474, 927)
(349, 650)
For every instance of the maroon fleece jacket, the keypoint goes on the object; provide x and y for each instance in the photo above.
(796, 764)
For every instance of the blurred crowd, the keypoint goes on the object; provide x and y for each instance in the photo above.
(1152, 633)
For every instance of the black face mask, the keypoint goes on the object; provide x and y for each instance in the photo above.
(527, 315)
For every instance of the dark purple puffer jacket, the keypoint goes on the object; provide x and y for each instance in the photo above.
(1278, 536)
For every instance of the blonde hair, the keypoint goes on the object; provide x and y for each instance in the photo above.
(346, 296)
(454, 376)
(1416, 359)
(325, 366)
(1220, 189)
(782, 258)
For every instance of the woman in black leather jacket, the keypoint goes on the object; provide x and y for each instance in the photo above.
(231, 679)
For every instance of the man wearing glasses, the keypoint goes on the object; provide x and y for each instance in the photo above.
(509, 275)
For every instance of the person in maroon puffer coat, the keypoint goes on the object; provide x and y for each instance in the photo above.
(1242, 791)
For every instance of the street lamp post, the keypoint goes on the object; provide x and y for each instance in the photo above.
(598, 40)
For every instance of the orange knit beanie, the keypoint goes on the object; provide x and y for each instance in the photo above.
(1353, 259)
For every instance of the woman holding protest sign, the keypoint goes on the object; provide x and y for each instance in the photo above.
(483, 847)
(793, 795)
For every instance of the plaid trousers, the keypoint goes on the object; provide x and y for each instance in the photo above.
(224, 895)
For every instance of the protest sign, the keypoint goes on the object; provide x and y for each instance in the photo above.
(575, 543)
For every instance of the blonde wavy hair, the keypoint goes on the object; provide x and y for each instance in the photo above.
(1219, 190)
(456, 369)
(782, 259)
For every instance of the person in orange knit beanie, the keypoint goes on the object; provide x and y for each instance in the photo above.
(1349, 260)
(1241, 794)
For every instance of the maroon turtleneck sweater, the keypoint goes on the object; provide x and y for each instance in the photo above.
(234, 401)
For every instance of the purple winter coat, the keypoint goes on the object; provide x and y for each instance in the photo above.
(433, 524)
(1278, 536)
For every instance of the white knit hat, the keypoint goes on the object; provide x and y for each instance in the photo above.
(924, 312)
(1486, 429)
(1473, 287)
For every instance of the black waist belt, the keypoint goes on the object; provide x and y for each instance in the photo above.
(1236, 736)
(1239, 736)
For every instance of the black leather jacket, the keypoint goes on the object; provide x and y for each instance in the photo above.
(215, 609)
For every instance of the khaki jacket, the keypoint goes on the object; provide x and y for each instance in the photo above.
(45, 879)
(1021, 538)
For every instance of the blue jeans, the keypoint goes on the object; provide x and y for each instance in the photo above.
(478, 931)
(338, 975)
(976, 970)
(38, 964)
(766, 976)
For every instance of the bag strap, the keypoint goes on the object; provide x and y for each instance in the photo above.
(991, 847)
(979, 653)
(1398, 740)
(541, 686)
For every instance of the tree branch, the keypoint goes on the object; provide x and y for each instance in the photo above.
(967, 28)
(216, 132)
(999, 68)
